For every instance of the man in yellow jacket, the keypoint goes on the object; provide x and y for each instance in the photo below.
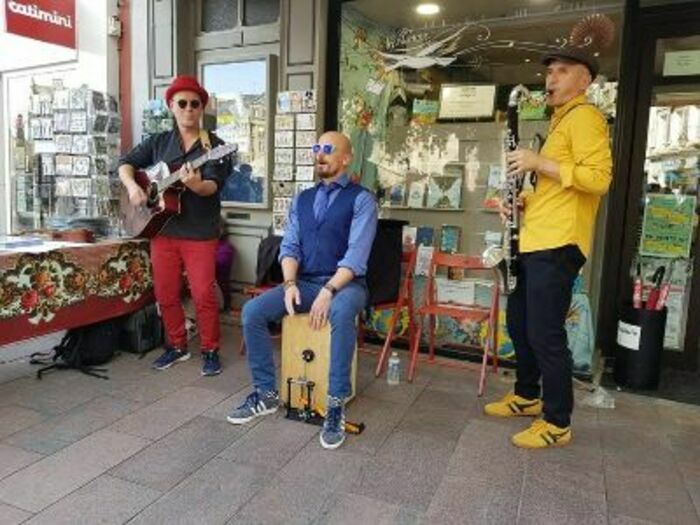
(573, 171)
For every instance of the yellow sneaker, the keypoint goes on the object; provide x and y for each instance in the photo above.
(513, 405)
(542, 435)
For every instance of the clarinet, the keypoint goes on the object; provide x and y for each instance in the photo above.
(511, 190)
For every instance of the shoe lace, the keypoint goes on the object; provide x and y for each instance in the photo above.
(251, 401)
(170, 353)
(334, 418)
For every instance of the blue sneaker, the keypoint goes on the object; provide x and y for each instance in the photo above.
(170, 357)
(211, 365)
(255, 405)
(333, 432)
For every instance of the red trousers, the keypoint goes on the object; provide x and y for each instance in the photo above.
(168, 256)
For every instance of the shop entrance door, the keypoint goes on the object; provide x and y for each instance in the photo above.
(663, 198)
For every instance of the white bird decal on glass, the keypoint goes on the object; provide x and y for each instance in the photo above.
(426, 56)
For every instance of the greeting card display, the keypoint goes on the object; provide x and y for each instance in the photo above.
(295, 134)
(305, 139)
(76, 141)
(305, 173)
(306, 121)
(304, 157)
(283, 172)
(284, 139)
(284, 122)
(284, 156)
(282, 189)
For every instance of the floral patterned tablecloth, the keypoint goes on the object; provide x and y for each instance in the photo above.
(71, 286)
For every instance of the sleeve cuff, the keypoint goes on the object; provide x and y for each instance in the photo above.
(355, 271)
(287, 254)
(566, 174)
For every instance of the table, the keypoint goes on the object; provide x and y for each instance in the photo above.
(43, 289)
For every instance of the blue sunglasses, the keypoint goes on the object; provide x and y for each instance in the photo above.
(327, 149)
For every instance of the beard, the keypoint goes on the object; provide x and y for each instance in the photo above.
(324, 171)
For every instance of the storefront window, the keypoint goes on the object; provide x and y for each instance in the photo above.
(669, 207)
(64, 140)
(423, 99)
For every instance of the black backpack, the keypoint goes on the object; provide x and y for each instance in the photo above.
(84, 348)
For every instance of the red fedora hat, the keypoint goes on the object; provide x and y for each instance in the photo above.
(186, 83)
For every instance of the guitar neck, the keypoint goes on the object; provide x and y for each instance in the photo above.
(175, 176)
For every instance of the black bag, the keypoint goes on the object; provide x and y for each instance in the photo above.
(83, 348)
(268, 268)
(142, 331)
(384, 265)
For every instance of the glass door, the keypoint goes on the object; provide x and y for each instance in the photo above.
(665, 255)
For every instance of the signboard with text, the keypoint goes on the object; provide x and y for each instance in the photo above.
(667, 230)
(51, 21)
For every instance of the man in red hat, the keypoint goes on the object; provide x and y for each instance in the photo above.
(573, 173)
(189, 240)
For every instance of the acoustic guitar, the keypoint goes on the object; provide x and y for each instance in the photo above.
(163, 189)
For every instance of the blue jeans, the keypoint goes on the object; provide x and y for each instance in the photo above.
(347, 303)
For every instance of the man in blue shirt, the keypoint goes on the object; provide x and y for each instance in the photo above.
(324, 253)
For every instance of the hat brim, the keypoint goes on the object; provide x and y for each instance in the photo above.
(571, 58)
(174, 90)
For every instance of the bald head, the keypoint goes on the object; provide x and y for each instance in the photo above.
(339, 140)
(334, 164)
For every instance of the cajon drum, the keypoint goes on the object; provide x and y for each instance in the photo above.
(298, 336)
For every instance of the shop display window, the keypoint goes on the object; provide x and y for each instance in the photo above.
(64, 146)
(424, 98)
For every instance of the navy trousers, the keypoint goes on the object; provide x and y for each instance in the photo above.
(536, 317)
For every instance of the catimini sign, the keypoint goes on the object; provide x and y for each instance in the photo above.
(51, 21)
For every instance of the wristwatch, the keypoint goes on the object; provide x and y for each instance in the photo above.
(330, 288)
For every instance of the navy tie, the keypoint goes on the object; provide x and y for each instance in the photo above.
(323, 200)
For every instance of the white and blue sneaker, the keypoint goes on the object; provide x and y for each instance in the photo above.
(169, 357)
(255, 405)
(333, 431)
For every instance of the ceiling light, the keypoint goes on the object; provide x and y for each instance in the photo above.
(427, 9)
(539, 74)
(527, 60)
(596, 54)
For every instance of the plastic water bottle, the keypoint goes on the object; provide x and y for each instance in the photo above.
(393, 371)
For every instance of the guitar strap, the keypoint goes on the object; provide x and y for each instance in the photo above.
(204, 139)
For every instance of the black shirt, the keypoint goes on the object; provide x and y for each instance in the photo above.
(199, 216)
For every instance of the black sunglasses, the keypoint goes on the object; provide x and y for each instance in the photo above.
(194, 104)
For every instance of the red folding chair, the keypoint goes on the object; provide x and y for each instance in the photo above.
(432, 308)
(405, 299)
